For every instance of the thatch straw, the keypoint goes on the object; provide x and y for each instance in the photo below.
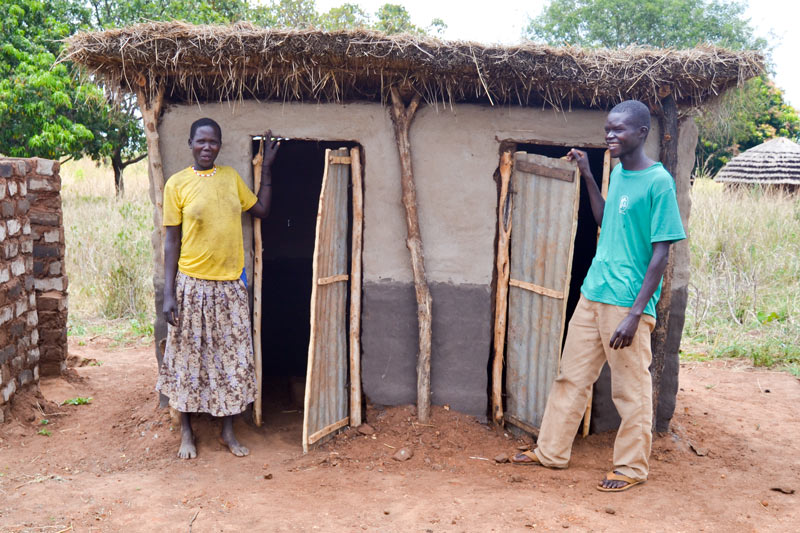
(775, 162)
(206, 63)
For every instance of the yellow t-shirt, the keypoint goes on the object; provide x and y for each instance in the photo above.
(209, 210)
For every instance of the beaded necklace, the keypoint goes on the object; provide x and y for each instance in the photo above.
(205, 173)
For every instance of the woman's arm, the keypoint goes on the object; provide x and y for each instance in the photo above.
(172, 251)
(261, 208)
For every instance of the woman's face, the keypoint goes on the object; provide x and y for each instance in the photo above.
(205, 146)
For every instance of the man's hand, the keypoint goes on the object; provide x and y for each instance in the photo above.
(171, 310)
(270, 149)
(623, 336)
(582, 159)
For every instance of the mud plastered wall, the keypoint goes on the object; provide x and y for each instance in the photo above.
(33, 299)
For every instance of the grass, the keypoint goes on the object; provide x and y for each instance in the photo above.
(744, 292)
(109, 255)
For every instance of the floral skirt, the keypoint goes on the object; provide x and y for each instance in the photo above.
(208, 359)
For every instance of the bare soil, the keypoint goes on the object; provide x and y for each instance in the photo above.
(111, 466)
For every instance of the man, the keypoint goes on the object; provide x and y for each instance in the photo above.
(616, 311)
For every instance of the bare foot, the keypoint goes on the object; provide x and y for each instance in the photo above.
(229, 439)
(187, 450)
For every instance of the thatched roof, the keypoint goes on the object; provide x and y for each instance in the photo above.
(775, 162)
(206, 63)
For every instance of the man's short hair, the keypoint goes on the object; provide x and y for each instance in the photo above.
(199, 123)
(636, 111)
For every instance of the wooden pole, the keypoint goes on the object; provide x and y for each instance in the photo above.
(501, 295)
(150, 108)
(258, 275)
(355, 288)
(587, 416)
(668, 121)
(402, 117)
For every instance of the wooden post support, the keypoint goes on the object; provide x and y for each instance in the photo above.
(355, 288)
(150, 103)
(258, 276)
(668, 122)
(151, 109)
(501, 295)
(402, 117)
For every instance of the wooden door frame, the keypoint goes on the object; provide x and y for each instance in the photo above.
(502, 264)
(356, 224)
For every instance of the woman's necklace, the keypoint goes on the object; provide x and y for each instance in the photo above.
(205, 173)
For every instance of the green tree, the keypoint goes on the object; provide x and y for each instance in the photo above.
(41, 103)
(346, 16)
(393, 18)
(663, 23)
(743, 118)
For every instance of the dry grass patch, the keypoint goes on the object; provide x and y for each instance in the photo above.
(109, 256)
(744, 294)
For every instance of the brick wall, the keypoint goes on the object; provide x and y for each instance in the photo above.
(19, 336)
(44, 195)
(33, 285)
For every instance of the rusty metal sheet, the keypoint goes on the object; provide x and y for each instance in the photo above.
(326, 400)
(544, 220)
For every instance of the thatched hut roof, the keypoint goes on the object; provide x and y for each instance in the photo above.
(206, 63)
(774, 162)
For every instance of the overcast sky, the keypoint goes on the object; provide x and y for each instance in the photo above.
(502, 21)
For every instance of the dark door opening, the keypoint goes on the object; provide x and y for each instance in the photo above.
(288, 236)
(586, 234)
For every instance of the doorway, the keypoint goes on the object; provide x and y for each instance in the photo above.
(290, 239)
(548, 252)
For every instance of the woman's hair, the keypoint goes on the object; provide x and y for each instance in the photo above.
(199, 123)
(637, 112)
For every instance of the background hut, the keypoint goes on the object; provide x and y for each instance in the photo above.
(775, 162)
(475, 238)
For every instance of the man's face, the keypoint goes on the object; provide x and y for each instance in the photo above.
(623, 137)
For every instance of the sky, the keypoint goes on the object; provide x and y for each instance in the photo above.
(502, 21)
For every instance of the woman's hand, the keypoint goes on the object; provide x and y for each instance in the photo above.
(270, 149)
(170, 310)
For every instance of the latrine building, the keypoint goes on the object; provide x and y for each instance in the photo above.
(505, 236)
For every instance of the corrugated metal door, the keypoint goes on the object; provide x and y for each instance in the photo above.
(544, 221)
(326, 379)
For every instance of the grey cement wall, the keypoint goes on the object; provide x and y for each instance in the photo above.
(454, 153)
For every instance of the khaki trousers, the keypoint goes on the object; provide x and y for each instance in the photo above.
(585, 351)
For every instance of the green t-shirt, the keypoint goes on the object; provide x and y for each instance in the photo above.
(641, 209)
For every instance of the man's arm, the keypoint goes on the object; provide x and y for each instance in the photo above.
(623, 336)
(172, 251)
(595, 196)
(261, 208)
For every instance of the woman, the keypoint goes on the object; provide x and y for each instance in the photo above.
(208, 360)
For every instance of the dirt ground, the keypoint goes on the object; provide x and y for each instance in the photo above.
(111, 466)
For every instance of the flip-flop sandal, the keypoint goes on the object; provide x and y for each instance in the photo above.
(613, 476)
(532, 459)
